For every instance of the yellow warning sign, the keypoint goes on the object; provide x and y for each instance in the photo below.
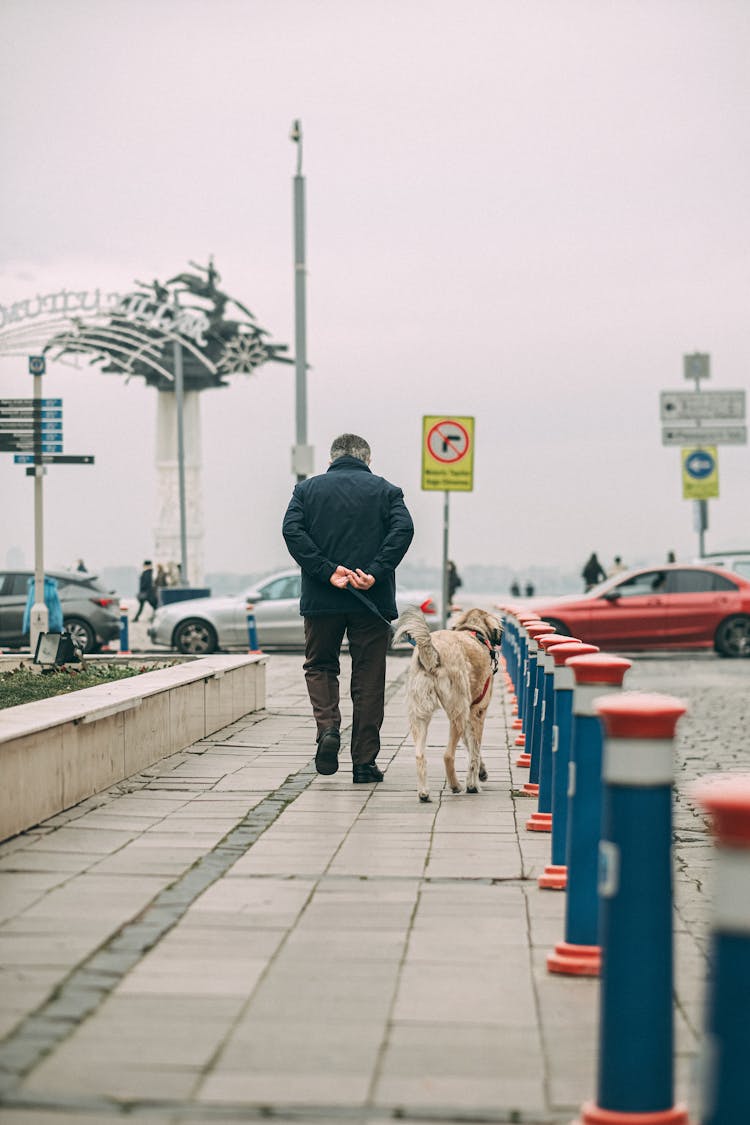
(447, 453)
(700, 473)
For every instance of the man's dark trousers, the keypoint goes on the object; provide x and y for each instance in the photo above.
(369, 638)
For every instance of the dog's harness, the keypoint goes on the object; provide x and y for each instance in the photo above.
(486, 643)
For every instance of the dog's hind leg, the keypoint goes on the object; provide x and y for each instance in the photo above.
(449, 757)
(475, 757)
(419, 727)
(477, 722)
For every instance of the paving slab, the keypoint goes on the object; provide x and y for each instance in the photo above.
(228, 936)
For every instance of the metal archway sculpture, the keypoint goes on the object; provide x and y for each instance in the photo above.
(134, 333)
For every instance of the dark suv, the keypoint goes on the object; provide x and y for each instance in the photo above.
(91, 612)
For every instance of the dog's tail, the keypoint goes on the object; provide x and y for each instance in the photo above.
(412, 624)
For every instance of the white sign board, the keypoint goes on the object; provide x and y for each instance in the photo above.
(697, 366)
(684, 406)
(705, 435)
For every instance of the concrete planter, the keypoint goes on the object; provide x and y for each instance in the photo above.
(56, 752)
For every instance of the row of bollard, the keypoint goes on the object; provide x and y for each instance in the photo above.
(252, 629)
(601, 765)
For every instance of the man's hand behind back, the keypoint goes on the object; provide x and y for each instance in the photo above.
(343, 577)
(340, 577)
(360, 580)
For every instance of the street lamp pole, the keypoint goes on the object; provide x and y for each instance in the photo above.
(180, 405)
(302, 453)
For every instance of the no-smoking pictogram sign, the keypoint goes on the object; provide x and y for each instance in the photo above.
(447, 453)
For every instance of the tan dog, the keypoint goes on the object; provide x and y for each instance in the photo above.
(452, 669)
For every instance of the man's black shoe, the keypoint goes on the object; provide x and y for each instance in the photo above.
(327, 755)
(367, 773)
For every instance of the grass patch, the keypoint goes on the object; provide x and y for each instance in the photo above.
(22, 685)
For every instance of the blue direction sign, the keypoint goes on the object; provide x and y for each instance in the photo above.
(700, 464)
(30, 424)
(9, 443)
(700, 473)
(53, 459)
(29, 402)
(37, 364)
(30, 415)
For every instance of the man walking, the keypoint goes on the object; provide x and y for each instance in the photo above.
(348, 530)
(146, 591)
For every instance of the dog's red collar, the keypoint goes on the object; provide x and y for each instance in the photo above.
(480, 697)
(493, 659)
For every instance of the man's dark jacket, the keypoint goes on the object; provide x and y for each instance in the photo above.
(349, 517)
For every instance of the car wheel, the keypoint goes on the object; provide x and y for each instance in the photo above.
(195, 637)
(733, 636)
(558, 626)
(82, 633)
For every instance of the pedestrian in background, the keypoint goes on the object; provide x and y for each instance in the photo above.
(146, 590)
(348, 530)
(592, 572)
(617, 567)
(515, 589)
(529, 590)
(454, 581)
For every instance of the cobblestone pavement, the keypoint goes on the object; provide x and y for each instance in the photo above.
(229, 936)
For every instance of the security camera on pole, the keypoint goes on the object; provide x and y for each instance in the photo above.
(302, 453)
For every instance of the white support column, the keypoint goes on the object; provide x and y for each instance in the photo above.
(167, 547)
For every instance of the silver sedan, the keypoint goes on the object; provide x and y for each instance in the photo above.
(204, 625)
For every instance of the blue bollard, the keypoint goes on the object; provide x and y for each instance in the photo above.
(541, 820)
(124, 630)
(726, 1076)
(520, 724)
(636, 1033)
(508, 651)
(252, 632)
(555, 875)
(534, 629)
(580, 954)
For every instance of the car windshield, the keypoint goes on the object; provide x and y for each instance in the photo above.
(602, 587)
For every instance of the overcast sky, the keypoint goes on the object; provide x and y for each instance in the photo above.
(521, 210)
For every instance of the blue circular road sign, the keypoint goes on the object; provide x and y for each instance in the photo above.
(700, 464)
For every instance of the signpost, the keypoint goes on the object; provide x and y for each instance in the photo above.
(32, 429)
(700, 473)
(712, 435)
(683, 406)
(39, 619)
(682, 414)
(52, 459)
(447, 466)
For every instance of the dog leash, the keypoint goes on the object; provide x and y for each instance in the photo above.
(374, 609)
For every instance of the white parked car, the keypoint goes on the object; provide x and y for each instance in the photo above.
(736, 561)
(203, 625)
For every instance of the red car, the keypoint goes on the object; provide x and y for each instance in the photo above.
(672, 606)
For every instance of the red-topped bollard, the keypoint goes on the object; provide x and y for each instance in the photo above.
(726, 1077)
(540, 770)
(555, 875)
(636, 1026)
(580, 953)
(252, 631)
(124, 629)
(524, 619)
(534, 629)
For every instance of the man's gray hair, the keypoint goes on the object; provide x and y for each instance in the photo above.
(352, 446)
